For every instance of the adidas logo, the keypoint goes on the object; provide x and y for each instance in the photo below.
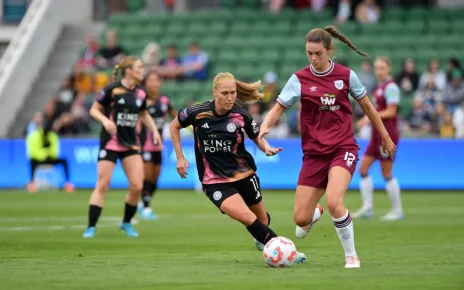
(121, 101)
(205, 125)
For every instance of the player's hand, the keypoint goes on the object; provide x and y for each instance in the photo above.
(157, 140)
(388, 147)
(272, 151)
(182, 167)
(110, 127)
(364, 121)
(263, 131)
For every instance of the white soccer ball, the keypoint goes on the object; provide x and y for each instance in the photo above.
(279, 252)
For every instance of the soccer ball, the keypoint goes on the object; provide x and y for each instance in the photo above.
(279, 252)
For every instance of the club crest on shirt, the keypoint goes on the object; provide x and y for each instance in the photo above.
(379, 92)
(338, 84)
(231, 127)
(138, 103)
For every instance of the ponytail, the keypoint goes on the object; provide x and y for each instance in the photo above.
(338, 35)
(248, 93)
(116, 70)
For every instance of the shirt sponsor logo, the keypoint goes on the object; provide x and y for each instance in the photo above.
(328, 103)
(213, 146)
(127, 119)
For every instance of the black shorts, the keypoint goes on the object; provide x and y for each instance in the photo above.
(113, 156)
(249, 189)
(153, 157)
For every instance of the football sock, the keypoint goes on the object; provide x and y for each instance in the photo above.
(261, 232)
(394, 193)
(147, 192)
(367, 191)
(345, 232)
(129, 212)
(94, 214)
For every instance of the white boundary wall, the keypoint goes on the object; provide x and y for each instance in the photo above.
(33, 41)
(25, 56)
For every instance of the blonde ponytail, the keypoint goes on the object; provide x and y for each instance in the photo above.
(247, 93)
(116, 72)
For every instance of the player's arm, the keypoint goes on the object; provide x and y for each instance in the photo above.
(290, 94)
(103, 100)
(183, 119)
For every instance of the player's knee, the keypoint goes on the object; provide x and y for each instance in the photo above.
(301, 218)
(335, 206)
(136, 187)
(103, 186)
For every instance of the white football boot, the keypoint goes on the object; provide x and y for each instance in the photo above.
(352, 262)
(302, 232)
(393, 216)
(364, 213)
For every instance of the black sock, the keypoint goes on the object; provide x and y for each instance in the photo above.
(147, 192)
(129, 212)
(268, 219)
(94, 214)
(261, 232)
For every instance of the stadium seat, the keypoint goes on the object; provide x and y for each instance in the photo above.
(228, 4)
(438, 26)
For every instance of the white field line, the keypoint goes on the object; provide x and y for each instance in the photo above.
(112, 221)
(106, 222)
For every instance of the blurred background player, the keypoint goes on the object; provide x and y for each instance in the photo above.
(386, 101)
(330, 150)
(118, 108)
(159, 107)
(226, 169)
(43, 149)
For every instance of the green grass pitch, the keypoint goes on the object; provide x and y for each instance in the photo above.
(193, 246)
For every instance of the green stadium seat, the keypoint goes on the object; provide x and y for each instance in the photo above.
(119, 19)
(458, 25)
(279, 27)
(269, 55)
(227, 56)
(323, 16)
(393, 14)
(245, 72)
(438, 26)
(228, 4)
(249, 56)
(251, 3)
(134, 6)
(217, 29)
(175, 29)
(393, 28)
(419, 13)
(240, 29)
(196, 29)
(372, 30)
(349, 28)
(415, 26)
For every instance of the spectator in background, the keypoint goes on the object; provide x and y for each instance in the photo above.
(447, 129)
(171, 67)
(453, 64)
(318, 5)
(366, 76)
(35, 123)
(458, 121)
(431, 94)
(43, 148)
(111, 53)
(367, 12)
(344, 11)
(66, 95)
(49, 114)
(270, 90)
(88, 61)
(195, 63)
(276, 5)
(255, 112)
(80, 115)
(454, 93)
(408, 79)
(151, 57)
(438, 116)
(419, 120)
(433, 77)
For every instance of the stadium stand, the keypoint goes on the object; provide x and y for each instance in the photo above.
(250, 42)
